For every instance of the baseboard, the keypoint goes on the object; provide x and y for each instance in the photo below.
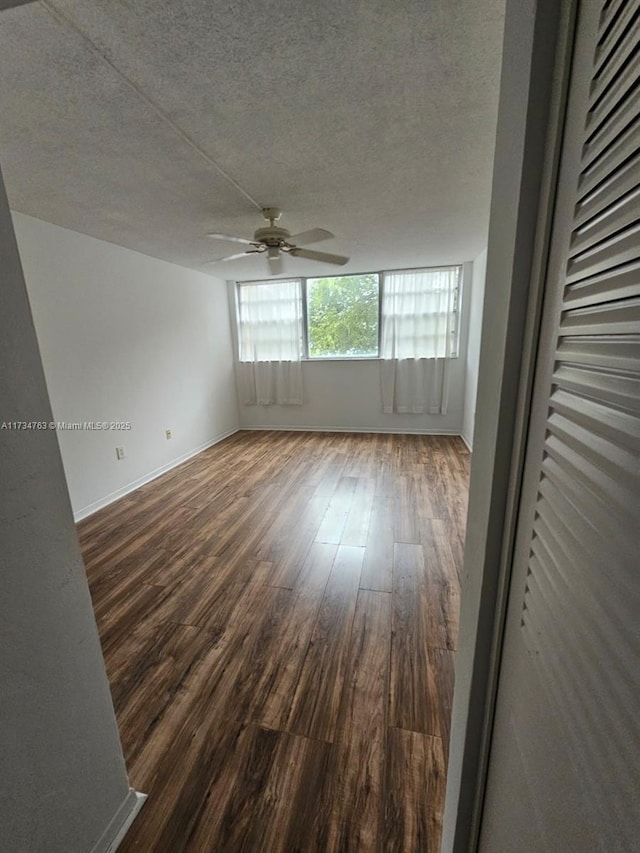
(384, 430)
(467, 442)
(119, 824)
(146, 478)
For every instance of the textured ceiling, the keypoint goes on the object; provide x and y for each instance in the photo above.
(373, 119)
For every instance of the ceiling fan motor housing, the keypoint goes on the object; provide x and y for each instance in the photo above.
(271, 235)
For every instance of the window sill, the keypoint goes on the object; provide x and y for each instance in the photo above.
(347, 359)
(355, 358)
(322, 359)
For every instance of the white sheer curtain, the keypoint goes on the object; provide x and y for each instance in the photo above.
(270, 337)
(418, 322)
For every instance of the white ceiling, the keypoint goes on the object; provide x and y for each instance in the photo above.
(373, 119)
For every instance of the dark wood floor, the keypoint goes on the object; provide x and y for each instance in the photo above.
(279, 618)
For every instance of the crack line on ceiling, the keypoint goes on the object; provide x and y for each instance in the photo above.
(64, 21)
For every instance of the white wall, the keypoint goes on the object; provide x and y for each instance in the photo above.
(126, 337)
(475, 301)
(346, 395)
(63, 785)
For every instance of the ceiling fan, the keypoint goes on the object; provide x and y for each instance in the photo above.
(273, 240)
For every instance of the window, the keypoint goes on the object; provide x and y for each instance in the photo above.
(270, 320)
(401, 314)
(342, 316)
(419, 313)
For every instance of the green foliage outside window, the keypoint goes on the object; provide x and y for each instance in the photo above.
(342, 316)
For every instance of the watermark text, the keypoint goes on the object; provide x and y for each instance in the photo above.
(79, 426)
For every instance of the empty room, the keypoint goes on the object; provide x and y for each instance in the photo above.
(295, 508)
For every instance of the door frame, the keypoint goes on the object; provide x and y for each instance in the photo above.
(537, 51)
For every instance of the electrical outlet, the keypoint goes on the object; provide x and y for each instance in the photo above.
(167, 432)
(120, 452)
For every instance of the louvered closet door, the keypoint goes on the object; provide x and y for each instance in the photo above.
(564, 768)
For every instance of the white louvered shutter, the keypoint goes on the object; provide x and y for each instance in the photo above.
(564, 770)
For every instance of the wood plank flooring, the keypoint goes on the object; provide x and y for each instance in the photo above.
(279, 620)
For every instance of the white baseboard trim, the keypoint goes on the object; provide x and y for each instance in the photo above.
(385, 430)
(119, 824)
(467, 442)
(146, 478)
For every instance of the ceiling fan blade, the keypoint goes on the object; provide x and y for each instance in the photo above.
(312, 236)
(233, 257)
(232, 239)
(325, 257)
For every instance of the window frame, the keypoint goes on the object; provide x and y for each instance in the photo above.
(455, 332)
(308, 357)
